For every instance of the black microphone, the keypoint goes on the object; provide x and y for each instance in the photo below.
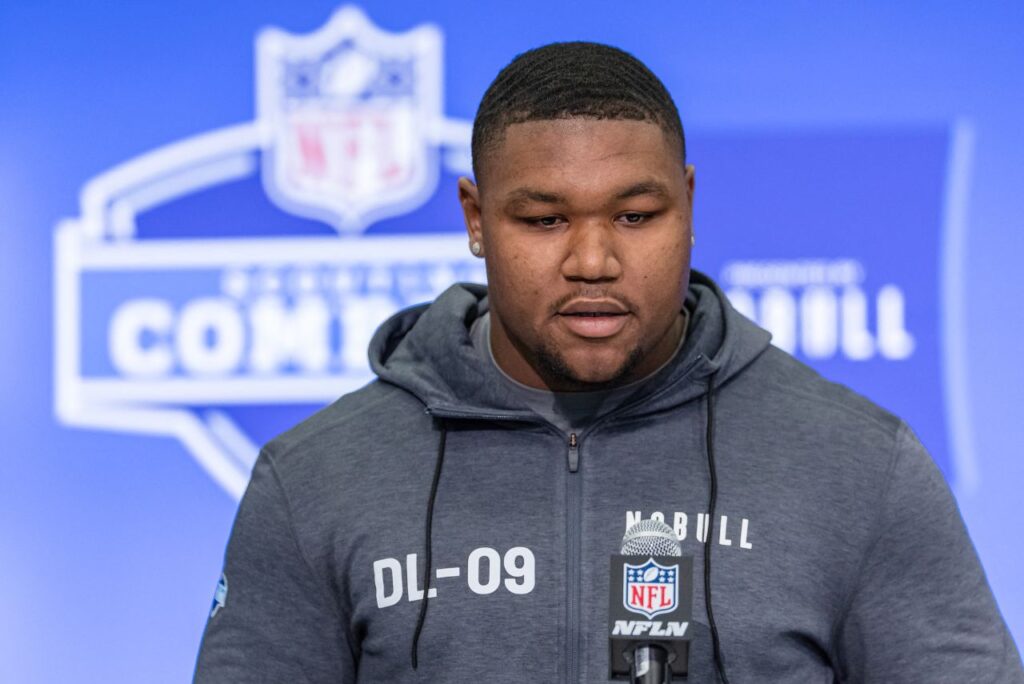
(650, 579)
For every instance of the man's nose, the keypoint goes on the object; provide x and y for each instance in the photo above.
(592, 252)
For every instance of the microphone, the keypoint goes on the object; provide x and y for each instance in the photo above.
(650, 538)
(650, 578)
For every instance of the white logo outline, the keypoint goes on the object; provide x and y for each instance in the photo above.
(350, 212)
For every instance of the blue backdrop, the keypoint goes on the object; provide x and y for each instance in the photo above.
(190, 265)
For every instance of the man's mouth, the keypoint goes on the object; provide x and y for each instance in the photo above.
(594, 318)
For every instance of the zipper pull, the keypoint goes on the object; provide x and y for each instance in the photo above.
(574, 453)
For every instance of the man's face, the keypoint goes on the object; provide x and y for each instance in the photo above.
(585, 226)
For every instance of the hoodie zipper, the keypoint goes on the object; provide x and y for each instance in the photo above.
(573, 496)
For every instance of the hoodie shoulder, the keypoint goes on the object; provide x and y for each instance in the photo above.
(792, 386)
(353, 418)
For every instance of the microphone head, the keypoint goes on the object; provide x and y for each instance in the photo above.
(650, 538)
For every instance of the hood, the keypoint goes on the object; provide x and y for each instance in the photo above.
(426, 350)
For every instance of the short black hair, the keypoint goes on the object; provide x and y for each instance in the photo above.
(572, 80)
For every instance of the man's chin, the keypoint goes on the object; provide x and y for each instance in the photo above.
(589, 373)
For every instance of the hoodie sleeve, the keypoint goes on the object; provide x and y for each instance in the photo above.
(921, 609)
(274, 619)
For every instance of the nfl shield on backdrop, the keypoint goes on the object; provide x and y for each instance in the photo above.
(352, 114)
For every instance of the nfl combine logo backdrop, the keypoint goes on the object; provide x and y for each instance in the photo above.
(221, 288)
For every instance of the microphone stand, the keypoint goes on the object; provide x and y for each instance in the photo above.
(650, 665)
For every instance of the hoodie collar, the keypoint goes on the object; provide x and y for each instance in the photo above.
(427, 351)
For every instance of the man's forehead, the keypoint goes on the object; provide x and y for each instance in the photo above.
(565, 131)
(552, 144)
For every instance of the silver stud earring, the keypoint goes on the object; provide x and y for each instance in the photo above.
(475, 248)
(693, 239)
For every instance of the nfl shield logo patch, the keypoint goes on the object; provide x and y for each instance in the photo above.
(349, 116)
(650, 589)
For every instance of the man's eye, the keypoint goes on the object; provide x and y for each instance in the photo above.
(545, 221)
(634, 218)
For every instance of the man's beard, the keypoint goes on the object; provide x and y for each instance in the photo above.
(555, 371)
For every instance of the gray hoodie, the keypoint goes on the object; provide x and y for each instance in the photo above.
(837, 551)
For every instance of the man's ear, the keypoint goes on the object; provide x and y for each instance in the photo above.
(469, 198)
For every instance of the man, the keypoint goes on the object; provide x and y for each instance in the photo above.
(453, 521)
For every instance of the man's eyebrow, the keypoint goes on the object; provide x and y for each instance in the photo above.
(650, 187)
(524, 195)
